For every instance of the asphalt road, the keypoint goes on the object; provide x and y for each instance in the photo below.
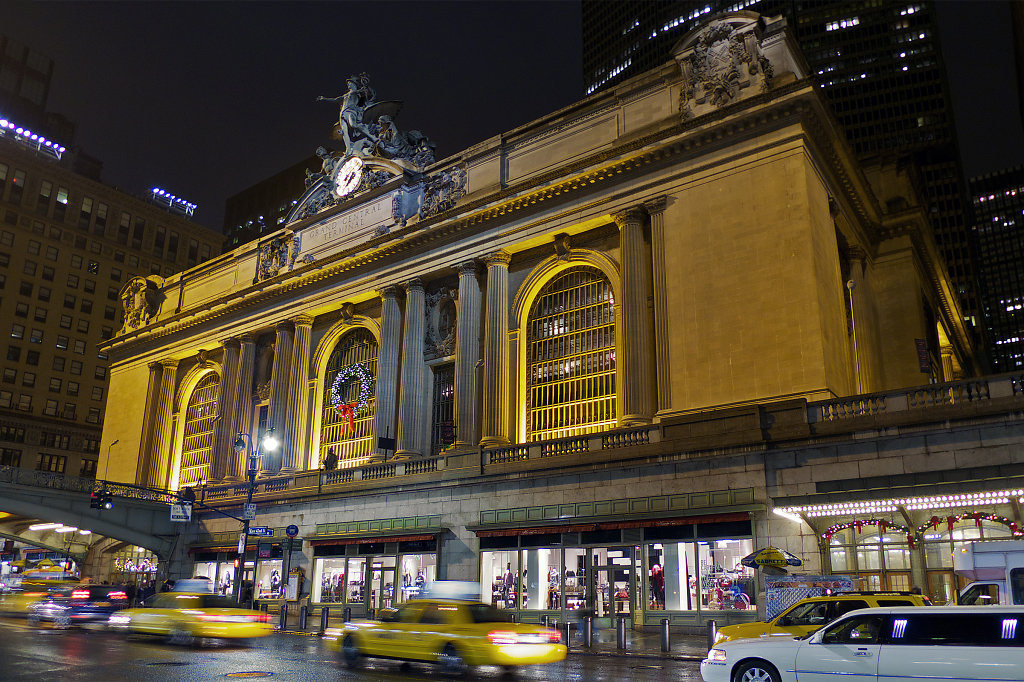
(48, 655)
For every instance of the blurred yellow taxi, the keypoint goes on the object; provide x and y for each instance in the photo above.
(453, 633)
(19, 592)
(187, 617)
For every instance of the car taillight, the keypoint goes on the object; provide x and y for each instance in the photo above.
(555, 636)
(80, 594)
(263, 618)
(502, 637)
(118, 595)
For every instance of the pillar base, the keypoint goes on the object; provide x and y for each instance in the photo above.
(405, 456)
(493, 442)
(631, 420)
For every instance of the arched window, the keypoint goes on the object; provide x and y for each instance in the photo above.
(571, 356)
(197, 447)
(346, 428)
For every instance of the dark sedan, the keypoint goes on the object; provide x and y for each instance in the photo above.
(78, 605)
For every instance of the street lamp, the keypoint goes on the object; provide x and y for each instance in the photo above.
(243, 443)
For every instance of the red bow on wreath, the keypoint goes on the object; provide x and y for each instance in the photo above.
(348, 410)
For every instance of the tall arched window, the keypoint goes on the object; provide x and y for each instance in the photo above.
(346, 428)
(197, 447)
(571, 356)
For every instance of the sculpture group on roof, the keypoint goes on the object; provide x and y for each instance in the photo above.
(367, 127)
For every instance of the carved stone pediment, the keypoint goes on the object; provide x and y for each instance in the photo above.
(439, 341)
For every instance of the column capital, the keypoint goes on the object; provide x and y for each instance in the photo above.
(656, 205)
(467, 268)
(414, 283)
(390, 291)
(634, 215)
(498, 258)
(247, 337)
(169, 363)
(233, 342)
(304, 320)
(283, 326)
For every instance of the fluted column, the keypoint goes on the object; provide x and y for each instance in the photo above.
(495, 389)
(662, 353)
(280, 373)
(223, 428)
(412, 403)
(295, 450)
(163, 428)
(467, 355)
(241, 421)
(145, 464)
(385, 396)
(636, 356)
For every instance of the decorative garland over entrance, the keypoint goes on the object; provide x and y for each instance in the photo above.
(354, 372)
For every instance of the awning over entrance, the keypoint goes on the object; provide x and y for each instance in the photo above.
(373, 538)
(490, 531)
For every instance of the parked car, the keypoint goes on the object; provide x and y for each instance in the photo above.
(188, 617)
(810, 614)
(453, 633)
(963, 643)
(78, 605)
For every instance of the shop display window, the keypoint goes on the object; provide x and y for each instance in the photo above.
(354, 580)
(416, 570)
(724, 582)
(328, 581)
(575, 590)
(269, 583)
(672, 572)
(542, 576)
(499, 578)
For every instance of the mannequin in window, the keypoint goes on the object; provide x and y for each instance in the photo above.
(553, 588)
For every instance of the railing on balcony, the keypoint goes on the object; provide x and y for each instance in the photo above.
(609, 440)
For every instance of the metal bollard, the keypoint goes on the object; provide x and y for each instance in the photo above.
(283, 624)
(666, 643)
(263, 607)
(325, 615)
(346, 615)
(544, 620)
(620, 633)
(512, 617)
(567, 633)
(712, 633)
(303, 612)
(588, 631)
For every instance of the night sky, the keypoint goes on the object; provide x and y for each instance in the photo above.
(207, 98)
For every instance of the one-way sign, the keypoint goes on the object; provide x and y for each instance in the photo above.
(262, 531)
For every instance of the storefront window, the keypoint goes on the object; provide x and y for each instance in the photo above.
(725, 583)
(499, 578)
(542, 576)
(574, 594)
(355, 576)
(673, 577)
(417, 570)
(268, 578)
(328, 581)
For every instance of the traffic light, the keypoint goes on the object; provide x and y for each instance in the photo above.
(101, 499)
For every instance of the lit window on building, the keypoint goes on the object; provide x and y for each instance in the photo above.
(346, 425)
(571, 357)
(197, 446)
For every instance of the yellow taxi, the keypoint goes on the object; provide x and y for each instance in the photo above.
(810, 614)
(188, 617)
(20, 592)
(453, 633)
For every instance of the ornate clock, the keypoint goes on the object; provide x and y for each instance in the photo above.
(347, 177)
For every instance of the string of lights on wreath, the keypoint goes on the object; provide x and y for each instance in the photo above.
(354, 372)
(934, 522)
(884, 526)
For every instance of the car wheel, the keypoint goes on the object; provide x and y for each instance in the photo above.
(756, 671)
(62, 621)
(181, 636)
(350, 652)
(451, 662)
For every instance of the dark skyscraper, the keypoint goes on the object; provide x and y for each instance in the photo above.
(999, 229)
(879, 63)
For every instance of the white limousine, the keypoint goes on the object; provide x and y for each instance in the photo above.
(952, 644)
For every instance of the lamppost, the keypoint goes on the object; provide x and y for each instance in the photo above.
(243, 443)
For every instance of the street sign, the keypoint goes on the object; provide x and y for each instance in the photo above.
(291, 531)
(181, 511)
(262, 531)
(249, 511)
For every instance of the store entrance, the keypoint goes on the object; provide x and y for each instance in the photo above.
(382, 582)
(613, 582)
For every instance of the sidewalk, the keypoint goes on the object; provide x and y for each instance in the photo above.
(682, 647)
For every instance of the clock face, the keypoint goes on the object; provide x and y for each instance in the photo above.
(347, 177)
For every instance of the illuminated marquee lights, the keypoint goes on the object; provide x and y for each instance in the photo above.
(29, 139)
(161, 196)
(929, 502)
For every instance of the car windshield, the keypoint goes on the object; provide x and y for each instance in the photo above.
(482, 613)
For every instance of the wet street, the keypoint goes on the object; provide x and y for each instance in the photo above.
(47, 655)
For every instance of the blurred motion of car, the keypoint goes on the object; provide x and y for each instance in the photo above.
(78, 605)
(20, 594)
(812, 613)
(187, 617)
(453, 633)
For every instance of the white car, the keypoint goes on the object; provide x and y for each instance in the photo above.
(954, 643)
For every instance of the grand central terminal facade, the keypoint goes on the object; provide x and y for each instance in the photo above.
(583, 363)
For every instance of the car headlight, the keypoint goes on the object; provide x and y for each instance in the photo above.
(717, 655)
(719, 637)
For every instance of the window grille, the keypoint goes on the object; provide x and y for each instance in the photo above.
(571, 357)
(354, 356)
(442, 432)
(197, 448)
